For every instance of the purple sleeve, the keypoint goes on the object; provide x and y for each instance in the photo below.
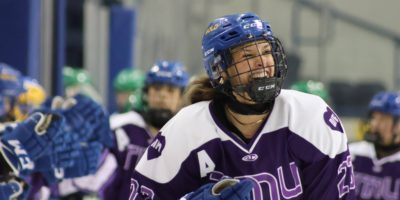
(323, 177)
(186, 180)
(142, 187)
(329, 178)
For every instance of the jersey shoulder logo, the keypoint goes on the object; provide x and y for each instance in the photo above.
(332, 120)
(156, 147)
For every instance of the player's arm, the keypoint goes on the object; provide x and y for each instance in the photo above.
(323, 156)
(162, 172)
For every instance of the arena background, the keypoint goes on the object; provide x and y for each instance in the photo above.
(353, 46)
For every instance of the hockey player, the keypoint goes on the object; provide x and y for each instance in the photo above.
(377, 159)
(11, 86)
(85, 134)
(78, 81)
(164, 86)
(43, 143)
(272, 143)
(26, 144)
(33, 96)
(128, 86)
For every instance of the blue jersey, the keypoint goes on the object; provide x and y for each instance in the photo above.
(300, 152)
(375, 178)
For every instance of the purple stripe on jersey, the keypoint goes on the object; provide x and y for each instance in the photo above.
(287, 166)
(106, 191)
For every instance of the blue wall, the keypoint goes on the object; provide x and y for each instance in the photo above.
(122, 31)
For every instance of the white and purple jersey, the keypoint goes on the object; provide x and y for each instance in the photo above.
(132, 138)
(300, 152)
(375, 178)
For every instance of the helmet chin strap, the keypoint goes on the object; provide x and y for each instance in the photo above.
(245, 109)
(249, 109)
(262, 91)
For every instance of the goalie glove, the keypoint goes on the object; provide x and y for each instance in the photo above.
(29, 140)
(225, 189)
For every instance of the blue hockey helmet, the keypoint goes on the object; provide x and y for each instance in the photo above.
(386, 102)
(169, 73)
(11, 83)
(228, 32)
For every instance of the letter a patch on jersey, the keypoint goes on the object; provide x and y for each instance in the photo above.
(156, 147)
(206, 165)
(332, 120)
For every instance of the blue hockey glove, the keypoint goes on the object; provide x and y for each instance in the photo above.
(11, 189)
(98, 119)
(74, 120)
(76, 123)
(103, 133)
(64, 151)
(23, 145)
(225, 189)
(86, 163)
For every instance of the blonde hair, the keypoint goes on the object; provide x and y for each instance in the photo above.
(199, 89)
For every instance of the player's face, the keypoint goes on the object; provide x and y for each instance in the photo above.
(164, 97)
(5, 109)
(383, 124)
(250, 61)
(122, 99)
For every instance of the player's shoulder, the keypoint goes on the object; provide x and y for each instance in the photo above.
(191, 116)
(362, 148)
(189, 129)
(122, 119)
(304, 110)
(309, 117)
(194, 109)
(300, 100)
(189, 121)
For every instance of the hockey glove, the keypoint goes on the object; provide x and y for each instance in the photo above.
(86, 163)
(98, 119)
(30, 140)
(13, 189)
(225, 189)
(64, 151)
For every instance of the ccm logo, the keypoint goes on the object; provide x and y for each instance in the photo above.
(250, 157)
(267, 87)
